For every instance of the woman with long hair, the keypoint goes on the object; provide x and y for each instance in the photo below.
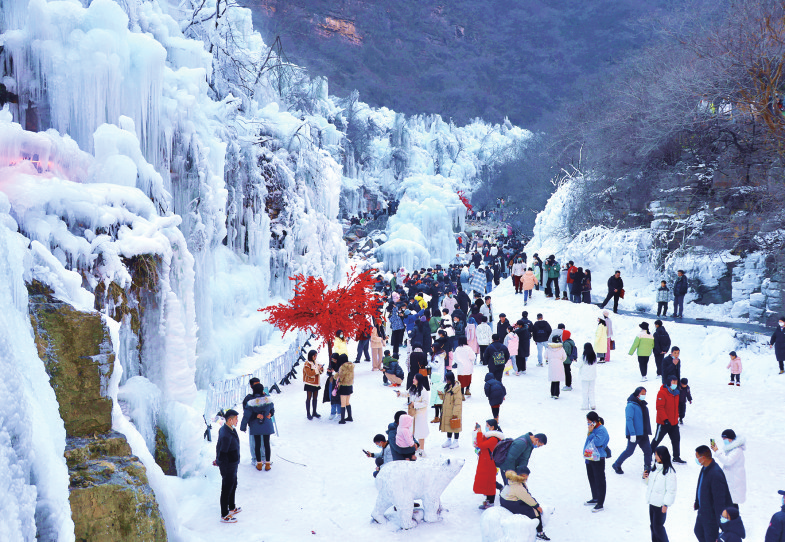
(586, 287)
(485, 475)
(345, 387)
(594, 453)
(601, 339)
(660, 492)
(587, 370)
(452, 407)
(311, 375)
(378, 340)
(419, 398)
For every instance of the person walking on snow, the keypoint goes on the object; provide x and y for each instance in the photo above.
(680, 288)
(485, 475)
(541, 332)
(452, 408)
(671, 366)
(735, 369)
(478, 281)
(778, 343)
(552, 269)
(571, 350)
(601, 339)
(615, 289)
(587, 371)
(257, 417)
(660, 492)
(556, 357)
(668, 418)
(776, 530)
(637, 430)
(711, 497)
(227, 459)
(731, 459)
(662, 343)
(523, 331)
(496, 356)
(528, 281)
(643, 345)
(611, 338)
(518, 270)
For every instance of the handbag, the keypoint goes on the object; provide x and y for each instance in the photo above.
(455, 422)
(410, 410)
(613, 344)
(621, 295)
(426, 371)
(591, 453)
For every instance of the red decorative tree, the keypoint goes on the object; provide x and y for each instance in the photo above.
(318, 310)
(464, 200)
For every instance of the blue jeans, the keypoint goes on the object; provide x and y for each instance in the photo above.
(526, 295)
(335, 409)
(678, 305)
(641, 441)
(540, 348)
(489, 287)
(362, 346)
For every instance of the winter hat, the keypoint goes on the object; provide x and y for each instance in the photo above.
(542, 438)
(565, 335)
(729, 434)
(733, 512)
(422, 319)
(229, 413)
(502, 315)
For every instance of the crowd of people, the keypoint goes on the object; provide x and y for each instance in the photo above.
(439, 326)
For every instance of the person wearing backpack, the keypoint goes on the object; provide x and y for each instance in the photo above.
(495, 392)
(485, 476)
(572, 355)
(496, 356)
(512, 454)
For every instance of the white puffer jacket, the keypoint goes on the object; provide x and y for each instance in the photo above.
(661, 489)
(731, 459)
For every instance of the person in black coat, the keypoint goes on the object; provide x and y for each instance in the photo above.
(495, 392)
(776, 530)
(541, 333)
(615, 286)
(501, 326)
(733, 528)
(680, 288)
(662, 343)
(227, 459)
(671, 367)
(712, 496)
(523, 330)
(495, 357)
(417, 360)
(462, 298)
(778, 343)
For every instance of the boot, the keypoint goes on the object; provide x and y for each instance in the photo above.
(308, 410)
(267, 466)
(436, 419)
(259, 465)
(468, 392)
(447, 443)
(343, 415)
(313, 407)
(349, 411)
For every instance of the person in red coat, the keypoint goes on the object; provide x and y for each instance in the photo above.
(485, 477)
(668, 417)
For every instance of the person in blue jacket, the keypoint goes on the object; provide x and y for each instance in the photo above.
(594, 457)
(637, 430)
(495, 392)
(711, 497)
(227, 459)
(776, 530)
(731, 526)
(257, 416)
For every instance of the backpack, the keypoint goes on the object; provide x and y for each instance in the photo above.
(499, 453)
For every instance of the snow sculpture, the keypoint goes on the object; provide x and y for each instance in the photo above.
(498, 524)
(401, 482)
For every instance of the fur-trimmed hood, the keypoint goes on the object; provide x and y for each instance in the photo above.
(498, 434)
(739, 442)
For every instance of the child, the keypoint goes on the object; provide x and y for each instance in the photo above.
(662, 299)
(404, 437)
(735, 369)
(511, 342)
(684, 396)
(383, 456)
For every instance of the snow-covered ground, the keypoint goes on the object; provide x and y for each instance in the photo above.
(320, 486)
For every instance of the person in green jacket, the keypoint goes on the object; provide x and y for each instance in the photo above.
(552, 270)
(643, 344)
(572, 354)
(520, 452)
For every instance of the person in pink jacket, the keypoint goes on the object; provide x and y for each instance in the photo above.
(528, 282)
(511, 342)
(735, 369)
(471, 335)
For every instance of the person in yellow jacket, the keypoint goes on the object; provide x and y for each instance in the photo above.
(644, 345)
(339, 344)
(601, 339)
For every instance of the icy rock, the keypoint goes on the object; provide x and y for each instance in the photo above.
(401, 482)
(756, 313)
(741, 309)
(643, 306)
(498, 524)
(758, 300)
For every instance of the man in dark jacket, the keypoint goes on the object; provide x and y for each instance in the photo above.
(495, 357)
(662, 343)
(227, 458)
(711, 496)
(495, 392)
(776, 530)
(671, 366)
(476, 258)
(778, 343)
(462, 298)
(615, 286)
(541, 333)
(637, 430)
(501, 326)
(520, 452)
(523, 330)
(680, 287)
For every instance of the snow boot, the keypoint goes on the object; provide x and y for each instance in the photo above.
(455, 444)
(447, 443)
(436, 419)
(468, 392)
(308, 410)
(267, 466)
(349, 412)
(343, 415)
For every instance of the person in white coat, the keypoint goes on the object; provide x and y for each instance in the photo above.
(660, 492)
(731, 459)
(610, 339)
(587, 371)
(463, 363)
(419, 397)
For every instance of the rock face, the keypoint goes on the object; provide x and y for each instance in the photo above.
(110, 497)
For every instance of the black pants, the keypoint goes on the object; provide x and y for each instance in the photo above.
(555, 288)
(737, 377)
(595, 470)
(520, 507)
(662, 307)
(520, 362)
(643, 363)
(555, 389)
(615, 296)
(482, 353)
(396, 339)
(673, 432)
(567, 375)
(658, 361)
(782, 364)
(258, 447)
(495, 411)
(645, 447)
(706, 529)
(657, 523)
(497, 372)
(228, 487)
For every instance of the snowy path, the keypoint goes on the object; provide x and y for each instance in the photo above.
(332, 496)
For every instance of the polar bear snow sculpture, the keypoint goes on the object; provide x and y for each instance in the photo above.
(498, 524)
(401, 482)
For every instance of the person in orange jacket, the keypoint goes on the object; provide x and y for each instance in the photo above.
(668, 418)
